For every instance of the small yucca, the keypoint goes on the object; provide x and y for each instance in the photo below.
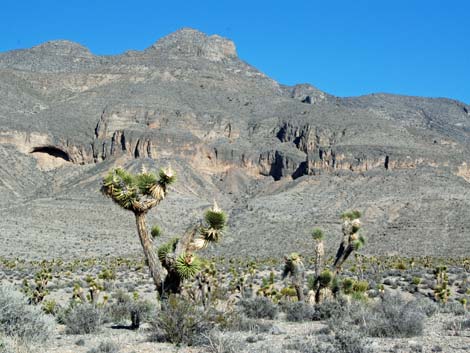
(216, 219)
(317, 234)
(187, 266)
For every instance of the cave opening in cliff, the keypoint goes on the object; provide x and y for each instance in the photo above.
(52, 151)
(387, 160)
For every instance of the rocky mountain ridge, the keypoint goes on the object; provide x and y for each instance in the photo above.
(280, 159)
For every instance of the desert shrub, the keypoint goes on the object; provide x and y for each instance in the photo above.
(350, 341)
(428, 307)
(126, 308)
(394, 317)
(14, 345)
(347, 316)
(344, 341)
(455, 308)
(330, 309)
(458, 326)
(82, 319)
(239, 322)
(259, 308)
(21, 320)
(105, 347)
(221, 342)
(309, 346)
(181, 322)
(298, 311)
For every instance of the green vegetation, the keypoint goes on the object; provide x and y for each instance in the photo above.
(174, 261)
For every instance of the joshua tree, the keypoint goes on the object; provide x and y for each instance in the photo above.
(177, 256)
(175, 260)
(441, 291)
(295, 268)
(318, 235)
(37, 291)
(352, 241)
(140, 193)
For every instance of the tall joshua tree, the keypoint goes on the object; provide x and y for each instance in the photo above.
(174, 261)
(319, 251)
(352, 241)
(140, 193)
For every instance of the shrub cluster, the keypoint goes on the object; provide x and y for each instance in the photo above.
(181, 322)
(259, 308)
(299, 311)
(394, 317)
(82, 319)
(19, 319)
(125, 308)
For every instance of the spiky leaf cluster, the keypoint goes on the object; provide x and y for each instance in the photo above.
(166, 249)
(347, 285)
(127, 189)
(145, 181)
(359, 243)
(351, 215)
(325, 278)
(360, 286)
(167, 176)
(216, 221)
(318, 234)
(121, 187)
(187, 266)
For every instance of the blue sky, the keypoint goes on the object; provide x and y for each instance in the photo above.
(349, 47)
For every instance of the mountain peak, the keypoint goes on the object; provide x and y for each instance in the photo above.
(63, 47)
(191, 42)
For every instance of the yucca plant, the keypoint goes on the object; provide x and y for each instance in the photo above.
(216, 221)
(187, 266)
(38, 290)
(319, 251)
(177, 256)
(323, 286)
(139, 193)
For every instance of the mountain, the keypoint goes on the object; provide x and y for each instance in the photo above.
(279, 159)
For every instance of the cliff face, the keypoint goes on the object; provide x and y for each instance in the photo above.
(280, 159)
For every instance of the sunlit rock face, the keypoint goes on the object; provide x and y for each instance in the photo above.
(279, 159)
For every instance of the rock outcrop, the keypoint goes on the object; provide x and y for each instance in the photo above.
(280, 159)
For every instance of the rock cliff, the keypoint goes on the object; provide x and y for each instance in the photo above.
(280, 159)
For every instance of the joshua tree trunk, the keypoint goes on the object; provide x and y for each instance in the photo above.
(319, 252)
(299, 288)
(157, 271)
